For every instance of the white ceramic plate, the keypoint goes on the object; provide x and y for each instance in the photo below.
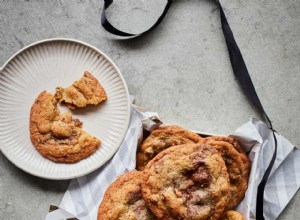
(44, 66)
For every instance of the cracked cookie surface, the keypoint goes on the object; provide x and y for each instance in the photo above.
(123, 200)
(161, 139)
(186, 182)
(58, 136)
(86, 91)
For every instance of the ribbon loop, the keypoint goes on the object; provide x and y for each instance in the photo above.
(111, 29)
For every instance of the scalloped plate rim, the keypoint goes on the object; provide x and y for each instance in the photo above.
(48, 40)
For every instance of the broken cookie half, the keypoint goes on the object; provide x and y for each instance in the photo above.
(58, 136)
(86, 91)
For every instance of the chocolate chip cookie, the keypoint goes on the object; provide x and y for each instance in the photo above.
(161, 139)
(235, 167)
(186, 182)
(58, 136)
(123, 200)
(238, 166)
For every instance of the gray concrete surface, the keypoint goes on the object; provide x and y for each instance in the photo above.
(180, 70)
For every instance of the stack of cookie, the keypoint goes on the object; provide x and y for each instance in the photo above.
(180, 176)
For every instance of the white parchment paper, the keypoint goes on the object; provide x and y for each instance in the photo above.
(84, 194)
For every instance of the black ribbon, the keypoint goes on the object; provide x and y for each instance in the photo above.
(240, 71)
(105, 23)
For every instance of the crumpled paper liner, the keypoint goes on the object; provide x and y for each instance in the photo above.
(84, 194)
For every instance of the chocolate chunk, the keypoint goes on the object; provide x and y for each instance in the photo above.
(201, 176)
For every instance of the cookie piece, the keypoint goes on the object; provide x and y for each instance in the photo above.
(161, 139)
(81, 93)
(58, 136)
(123, 200)
(232, 215)
(186, 182)
(235, 168)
